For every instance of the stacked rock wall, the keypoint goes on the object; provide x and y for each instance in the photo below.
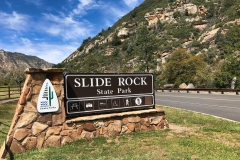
(31, 129)
(113, 124)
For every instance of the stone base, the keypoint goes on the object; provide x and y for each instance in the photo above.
(114, 124)
(31, 129)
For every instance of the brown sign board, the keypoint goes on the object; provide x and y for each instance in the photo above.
(94, 93)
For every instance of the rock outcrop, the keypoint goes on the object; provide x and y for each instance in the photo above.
(166, 14)
(123, 33)
(152, 17)
(208, 36)
(182, 86)
(190, 85)
(190, 8)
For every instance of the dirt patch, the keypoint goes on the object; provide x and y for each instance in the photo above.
(116, 140)
(176, 129)
(179, 129)
(227, 139)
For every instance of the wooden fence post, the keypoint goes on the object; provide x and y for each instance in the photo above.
(9, 92)
(20, 89)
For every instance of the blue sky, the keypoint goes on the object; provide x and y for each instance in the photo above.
(53, 29)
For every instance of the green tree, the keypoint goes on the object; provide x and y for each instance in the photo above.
(133, 14)
(115, 53)
(186, 12)
(211, 10)
(159, 26)
(125, 45)
(91, 65)
(183, 67)
(16, 76)
(228, 3)
(228, 69)
(177, 14)
(146, 44)
(230, 42)
(115, 40)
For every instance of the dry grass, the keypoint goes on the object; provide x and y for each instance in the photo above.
(190, 136)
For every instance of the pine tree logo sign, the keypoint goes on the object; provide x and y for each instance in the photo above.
(47, 100)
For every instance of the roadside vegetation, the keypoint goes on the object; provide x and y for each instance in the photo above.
(7, 111)
(11, 84)
(14, 77)
(211, 63)
(190, 136)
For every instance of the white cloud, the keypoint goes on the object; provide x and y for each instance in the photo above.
(117, 12)
(131, 3)
(83, 6)
(108, 23)
(53, 53)
(85, 2)
(34, 2)
(9, 4)
(65, 27)
(14, 21)
(68, 29)
(26, 42)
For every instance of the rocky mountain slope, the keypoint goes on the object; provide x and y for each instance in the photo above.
(144, 39)
(13, 60)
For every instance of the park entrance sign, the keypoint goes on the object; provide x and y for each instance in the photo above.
(93, 93)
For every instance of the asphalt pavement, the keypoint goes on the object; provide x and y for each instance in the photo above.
(226, 106)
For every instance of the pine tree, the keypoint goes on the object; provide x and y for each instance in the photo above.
(146, 44)
(115, 40)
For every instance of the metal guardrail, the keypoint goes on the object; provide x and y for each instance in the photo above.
(198, 90)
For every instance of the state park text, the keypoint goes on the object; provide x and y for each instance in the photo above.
(107, 82)
(78, 86)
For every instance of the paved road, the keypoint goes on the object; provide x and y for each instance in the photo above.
(225, 106)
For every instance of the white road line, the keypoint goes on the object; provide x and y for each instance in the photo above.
(200, 104)
(198, 98)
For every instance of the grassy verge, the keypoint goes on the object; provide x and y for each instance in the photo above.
(7, 111)
(191, 136)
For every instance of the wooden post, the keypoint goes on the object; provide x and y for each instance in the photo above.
(20, 89)
(9, 92)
